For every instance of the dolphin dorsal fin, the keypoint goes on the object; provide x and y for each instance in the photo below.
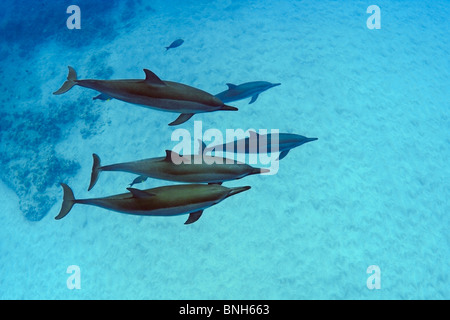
(231, 86)
(137, 193)
(253, 135)
(176, 158)
(152, 78)
(201, 146)
(170, 154)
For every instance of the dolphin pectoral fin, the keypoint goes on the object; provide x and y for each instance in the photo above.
(181, 119)
(283, 154)
(254, 98)
(140, 193)
(152, 78)
(194, 216)
(102, 96)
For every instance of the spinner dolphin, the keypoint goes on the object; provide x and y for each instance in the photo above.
(151, 92)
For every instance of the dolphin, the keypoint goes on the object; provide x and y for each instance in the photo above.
(262, 143)
(193, 169)
(173, 200)
(151, 92)
(175, 44)
(245, 90)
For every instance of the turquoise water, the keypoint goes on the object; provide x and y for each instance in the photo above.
(373, 190)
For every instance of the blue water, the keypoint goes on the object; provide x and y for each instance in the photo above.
(373, 190)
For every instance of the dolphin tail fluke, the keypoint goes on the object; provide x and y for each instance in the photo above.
(68, 201)
(71, 81)
(95, 171)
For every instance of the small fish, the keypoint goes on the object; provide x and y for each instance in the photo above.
(175, 44)
(139, 179)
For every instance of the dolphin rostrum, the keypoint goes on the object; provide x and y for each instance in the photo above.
(152, 92)
(263, 143)
(193, 169)
(173, 200)
(245, 90)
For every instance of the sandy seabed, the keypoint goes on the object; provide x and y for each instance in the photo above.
(373, 190)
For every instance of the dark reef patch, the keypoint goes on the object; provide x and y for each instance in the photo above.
(29, 24)
(30, 130)
(28, 160)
